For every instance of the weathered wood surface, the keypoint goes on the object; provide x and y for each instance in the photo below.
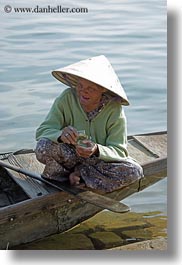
(56, 212)
(10, 192)
(30, 186)
(52, 214)
(82, 193)
(146, 148)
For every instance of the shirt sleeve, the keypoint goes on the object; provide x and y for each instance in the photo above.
(53, 124)
(116, 142)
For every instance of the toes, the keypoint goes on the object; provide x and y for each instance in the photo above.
(74, 179)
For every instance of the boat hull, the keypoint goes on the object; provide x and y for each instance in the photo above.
(55, 212)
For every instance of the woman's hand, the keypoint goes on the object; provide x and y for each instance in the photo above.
(69, 135)
(88, 150)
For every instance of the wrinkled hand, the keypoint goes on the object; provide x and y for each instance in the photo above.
(87, 151)
(69, 135)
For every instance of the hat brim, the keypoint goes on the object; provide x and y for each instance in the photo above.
(97, 70)
(71, 80)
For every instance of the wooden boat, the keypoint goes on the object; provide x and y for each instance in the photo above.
(31, 210)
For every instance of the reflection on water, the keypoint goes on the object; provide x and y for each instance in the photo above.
(107, 230)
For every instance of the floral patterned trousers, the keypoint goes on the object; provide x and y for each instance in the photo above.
(61, 159)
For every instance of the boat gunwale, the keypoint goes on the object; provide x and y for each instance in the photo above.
(66, 197)
(129, 137)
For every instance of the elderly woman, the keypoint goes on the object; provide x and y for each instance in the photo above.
(91, 109)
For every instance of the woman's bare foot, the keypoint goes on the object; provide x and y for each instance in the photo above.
(74, 178)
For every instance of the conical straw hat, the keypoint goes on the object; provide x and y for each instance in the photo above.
(97, 70)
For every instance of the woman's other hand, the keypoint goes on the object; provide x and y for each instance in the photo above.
(88, 150)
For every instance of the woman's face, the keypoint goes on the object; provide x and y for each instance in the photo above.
(89, 94)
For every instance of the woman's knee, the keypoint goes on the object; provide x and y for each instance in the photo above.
(138, 170)
(43, 149)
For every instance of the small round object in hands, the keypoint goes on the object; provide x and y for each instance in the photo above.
(87, 151)
(81, 137)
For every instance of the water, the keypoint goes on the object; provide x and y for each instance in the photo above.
(132, 34)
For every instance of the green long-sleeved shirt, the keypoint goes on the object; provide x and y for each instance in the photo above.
(107, 129)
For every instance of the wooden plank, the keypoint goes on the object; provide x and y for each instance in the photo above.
(138, 152)
(155, 167)
(30, 186)
(155, 144)
(144, 148)
(37, 218)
